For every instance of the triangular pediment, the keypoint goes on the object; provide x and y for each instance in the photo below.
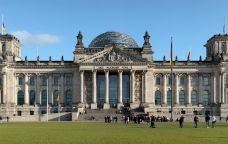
(113, 55)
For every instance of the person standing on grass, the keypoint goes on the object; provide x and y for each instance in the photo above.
(227, 119)
(152, 121)
(1, 119)
(207, 119)
(181, 121)
(213, 121)
(128, 119)
(196, 119)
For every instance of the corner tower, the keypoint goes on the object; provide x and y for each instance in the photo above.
(10, 48)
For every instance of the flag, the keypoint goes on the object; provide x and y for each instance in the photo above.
(57, 99)
(171, 53)
(3, 28)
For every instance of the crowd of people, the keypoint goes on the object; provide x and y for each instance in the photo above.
(151, 120)
(109, 119)
(196, 120)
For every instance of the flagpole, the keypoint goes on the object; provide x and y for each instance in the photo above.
(171, 66)
(47, 99)
(58, 104)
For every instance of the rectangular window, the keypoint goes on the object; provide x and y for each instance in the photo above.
(193, 81)
(226, 79)
(181, 80)
(205, 81)
(158, 80)
(56, 81)
(68, 80)
(32, 81)
(169, 80)
(20, 81)
(44, 81)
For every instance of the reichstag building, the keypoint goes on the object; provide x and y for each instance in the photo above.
(114, 72)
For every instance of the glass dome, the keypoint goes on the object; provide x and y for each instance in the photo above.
(112, 37)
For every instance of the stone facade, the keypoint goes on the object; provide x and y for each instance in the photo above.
(197, 87)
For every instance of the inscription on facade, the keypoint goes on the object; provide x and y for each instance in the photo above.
(112, 67)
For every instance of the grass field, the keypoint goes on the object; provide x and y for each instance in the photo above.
(103, 133)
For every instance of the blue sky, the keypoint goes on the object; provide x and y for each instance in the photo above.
(51, 26)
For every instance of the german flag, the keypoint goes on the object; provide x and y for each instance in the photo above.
(3, 28)
(57, 99)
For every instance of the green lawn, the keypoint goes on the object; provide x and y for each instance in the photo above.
(102, 133)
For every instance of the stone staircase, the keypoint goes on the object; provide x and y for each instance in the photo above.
(98, 115)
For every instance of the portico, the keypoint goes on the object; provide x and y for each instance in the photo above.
(111, 86)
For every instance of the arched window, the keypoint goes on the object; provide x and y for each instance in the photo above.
(194, 97)
(20, 97)
(205, 97)
(32, 96)
(169, 97)
(181, 98)
(44, 98)
(68, 97)
(157, 97)
(56, 97)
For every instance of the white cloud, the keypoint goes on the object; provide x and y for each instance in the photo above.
(28, 38)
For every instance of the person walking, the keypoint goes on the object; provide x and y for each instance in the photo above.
(213, 121)
(7, 118)
(207, 119)
(196, 119)
(181, 121)
(152, 121)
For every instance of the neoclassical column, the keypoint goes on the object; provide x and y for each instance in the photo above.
(200, 95)
(26, 100)
(176, 94)
(120, 90)
(50, 93)
(82, 86)
(213, 88)
(132, 86)
(74, 99)
(38, 93)
(188, 99)
(62, 96)
(106, 100)
(164, 99)
(4, 88)
(222, 88)
(94, 99)
(145, 87)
